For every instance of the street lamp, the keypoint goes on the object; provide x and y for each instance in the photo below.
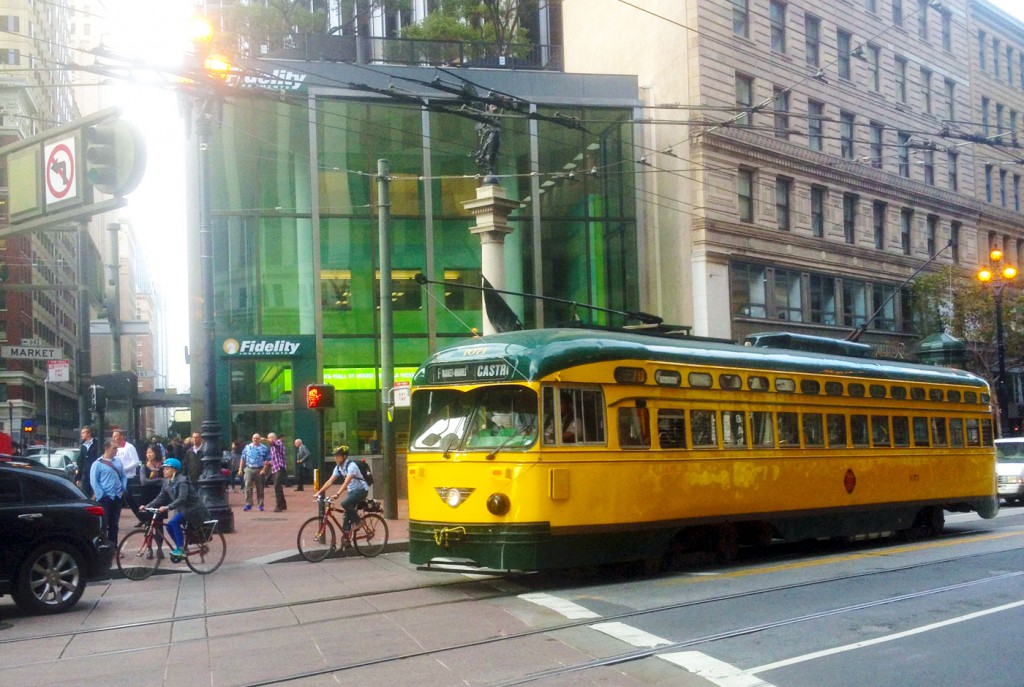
(999, 276)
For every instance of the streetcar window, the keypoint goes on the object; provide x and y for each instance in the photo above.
(935, 394)
(856, 389)
(939, 432)
(876, 391)
(986, 431)
(814, 430)
(917, 393)
(836, 430)
(879, 430)
(956, 432)
(667, 378)
(986, 398)
(900, 430)
(920, 431)
(834, 388)
(672, 428)
(953, 396)
(581, 416)
(439, 419)
(899, 392)
(859, 430)
(756, 383)
(488, 417)
(970, 397)
(699, 380)
(705, 434)
(630, 375)
(973, 432)
(761, 426)
(810, 386)
(785, 385)
(730, 382)
(789, 430)
(548, 410)
(734, 429)
(634, 428)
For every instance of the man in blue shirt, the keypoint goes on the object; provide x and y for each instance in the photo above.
(255, 458)
(109, 483)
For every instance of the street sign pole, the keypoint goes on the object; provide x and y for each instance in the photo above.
(46, 407)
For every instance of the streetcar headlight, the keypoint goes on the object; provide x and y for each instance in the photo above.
(498, 504)
(453, 496)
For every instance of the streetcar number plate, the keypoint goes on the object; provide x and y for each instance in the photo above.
(469, 372)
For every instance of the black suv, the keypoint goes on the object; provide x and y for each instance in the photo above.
(52, 539)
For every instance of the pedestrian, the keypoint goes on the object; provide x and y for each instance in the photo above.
(255, 457)
(109, 484)
(235, 463)
(303, 464)
(151, 475)
(178, 493)
(176, 449)
(130, 462)
(354, 484)
(87, 455)
(278, 471)
(193, 463)
(155, 443)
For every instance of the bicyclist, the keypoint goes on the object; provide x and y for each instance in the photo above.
(179, 494)
(353, 483)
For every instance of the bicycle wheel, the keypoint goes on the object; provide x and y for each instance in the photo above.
(207, 557)
(138, 556)
(371, 535)
(314, 546)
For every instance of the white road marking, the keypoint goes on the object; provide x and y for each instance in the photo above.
(713, 670)
(566, 608)
(887, 638)
(630, 635)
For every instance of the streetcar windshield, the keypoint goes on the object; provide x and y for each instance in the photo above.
(1010, 450)
(488, 418)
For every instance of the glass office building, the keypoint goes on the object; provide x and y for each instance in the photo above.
(293, 196)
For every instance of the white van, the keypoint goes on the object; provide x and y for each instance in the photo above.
(1010, 468)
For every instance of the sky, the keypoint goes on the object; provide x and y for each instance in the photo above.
(158, 30)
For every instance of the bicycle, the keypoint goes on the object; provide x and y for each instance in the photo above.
(318, 539)
(205, 548)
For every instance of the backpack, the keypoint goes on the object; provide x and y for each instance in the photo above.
(364, 470)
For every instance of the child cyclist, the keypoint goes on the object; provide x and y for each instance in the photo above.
(353, 483)
(180, 494)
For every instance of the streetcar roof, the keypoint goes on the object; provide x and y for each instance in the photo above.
(536, 353)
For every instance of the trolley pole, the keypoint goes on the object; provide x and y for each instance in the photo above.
(387, 344)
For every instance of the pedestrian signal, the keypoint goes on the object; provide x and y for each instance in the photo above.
(28, 425)
(319, 396)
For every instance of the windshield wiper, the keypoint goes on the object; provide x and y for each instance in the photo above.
(492, 454)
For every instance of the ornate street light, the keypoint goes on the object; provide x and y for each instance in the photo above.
(999, 275)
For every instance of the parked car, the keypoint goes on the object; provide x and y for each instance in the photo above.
(52, 539)
(38, 463)
(64, 459)
(1010, 469)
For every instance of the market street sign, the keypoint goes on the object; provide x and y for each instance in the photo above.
(29, 352)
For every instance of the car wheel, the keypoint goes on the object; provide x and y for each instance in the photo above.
(51, 580)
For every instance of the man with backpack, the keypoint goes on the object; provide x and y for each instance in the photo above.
(354, 483)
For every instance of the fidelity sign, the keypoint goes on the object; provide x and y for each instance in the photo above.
(246, 347)
(29, 352)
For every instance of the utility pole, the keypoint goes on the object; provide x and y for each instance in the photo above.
(114, 301)
(387, 343)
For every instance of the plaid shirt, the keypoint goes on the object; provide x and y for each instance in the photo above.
(277, 461)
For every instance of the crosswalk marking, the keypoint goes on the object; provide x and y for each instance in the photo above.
(567, 608)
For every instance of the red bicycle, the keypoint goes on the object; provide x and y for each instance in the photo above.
(140, 552)
(318, 536)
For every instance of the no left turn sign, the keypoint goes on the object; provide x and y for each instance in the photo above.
(59, 171)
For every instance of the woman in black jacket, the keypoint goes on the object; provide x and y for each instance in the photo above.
(178, 494)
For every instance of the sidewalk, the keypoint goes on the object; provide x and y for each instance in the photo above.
(270, 537)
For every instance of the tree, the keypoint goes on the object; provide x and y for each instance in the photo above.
(271, 24)
(492, 21)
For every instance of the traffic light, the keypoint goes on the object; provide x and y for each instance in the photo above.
(97, 398)
(319, 396)
(115, 156)
(28, 425)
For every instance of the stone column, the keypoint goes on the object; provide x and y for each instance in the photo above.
(491, 208)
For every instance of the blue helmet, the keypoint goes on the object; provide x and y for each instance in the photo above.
(173, 463)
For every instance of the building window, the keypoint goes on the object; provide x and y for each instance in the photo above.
(950, 100)
(744, 97)
(818, 198)
(10, 23)
(1002, 187)
(901, 79)
(877, 131)
(903, 153)
(897, 12)
(781, 108)
(874, 75)
(878, 211)
(823, 299)
(815, 125)
(1020, 70)
(985, 128)
(981, 51)
(952, 166)
(995, 56)
(999, 119)
(777, 11)
(947, 31)
(850, 217)
(745, 194)
(954, 238)
(883, 302)
(1016, 196)
(843, 40)
(812, 40)
(906, 225)
(988, 183)
(1009, 65)
(929, 167)
(846, 122)
(922, 19)
(926, 89)
(871, 5)
(787, 295)
(741, 18)
(855, 303)
(10, 56)
(783, 188)
(749, 292)
(933, 234)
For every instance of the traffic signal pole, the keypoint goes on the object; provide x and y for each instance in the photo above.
(387, 343)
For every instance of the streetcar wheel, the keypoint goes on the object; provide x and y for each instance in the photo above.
(312, 547)
(137, 559)
(726, 542)
(371, 535)
(205, 558)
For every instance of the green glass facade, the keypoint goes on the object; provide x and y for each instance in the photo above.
(294, 218)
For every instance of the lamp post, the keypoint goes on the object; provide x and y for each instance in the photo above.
(999, 275)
